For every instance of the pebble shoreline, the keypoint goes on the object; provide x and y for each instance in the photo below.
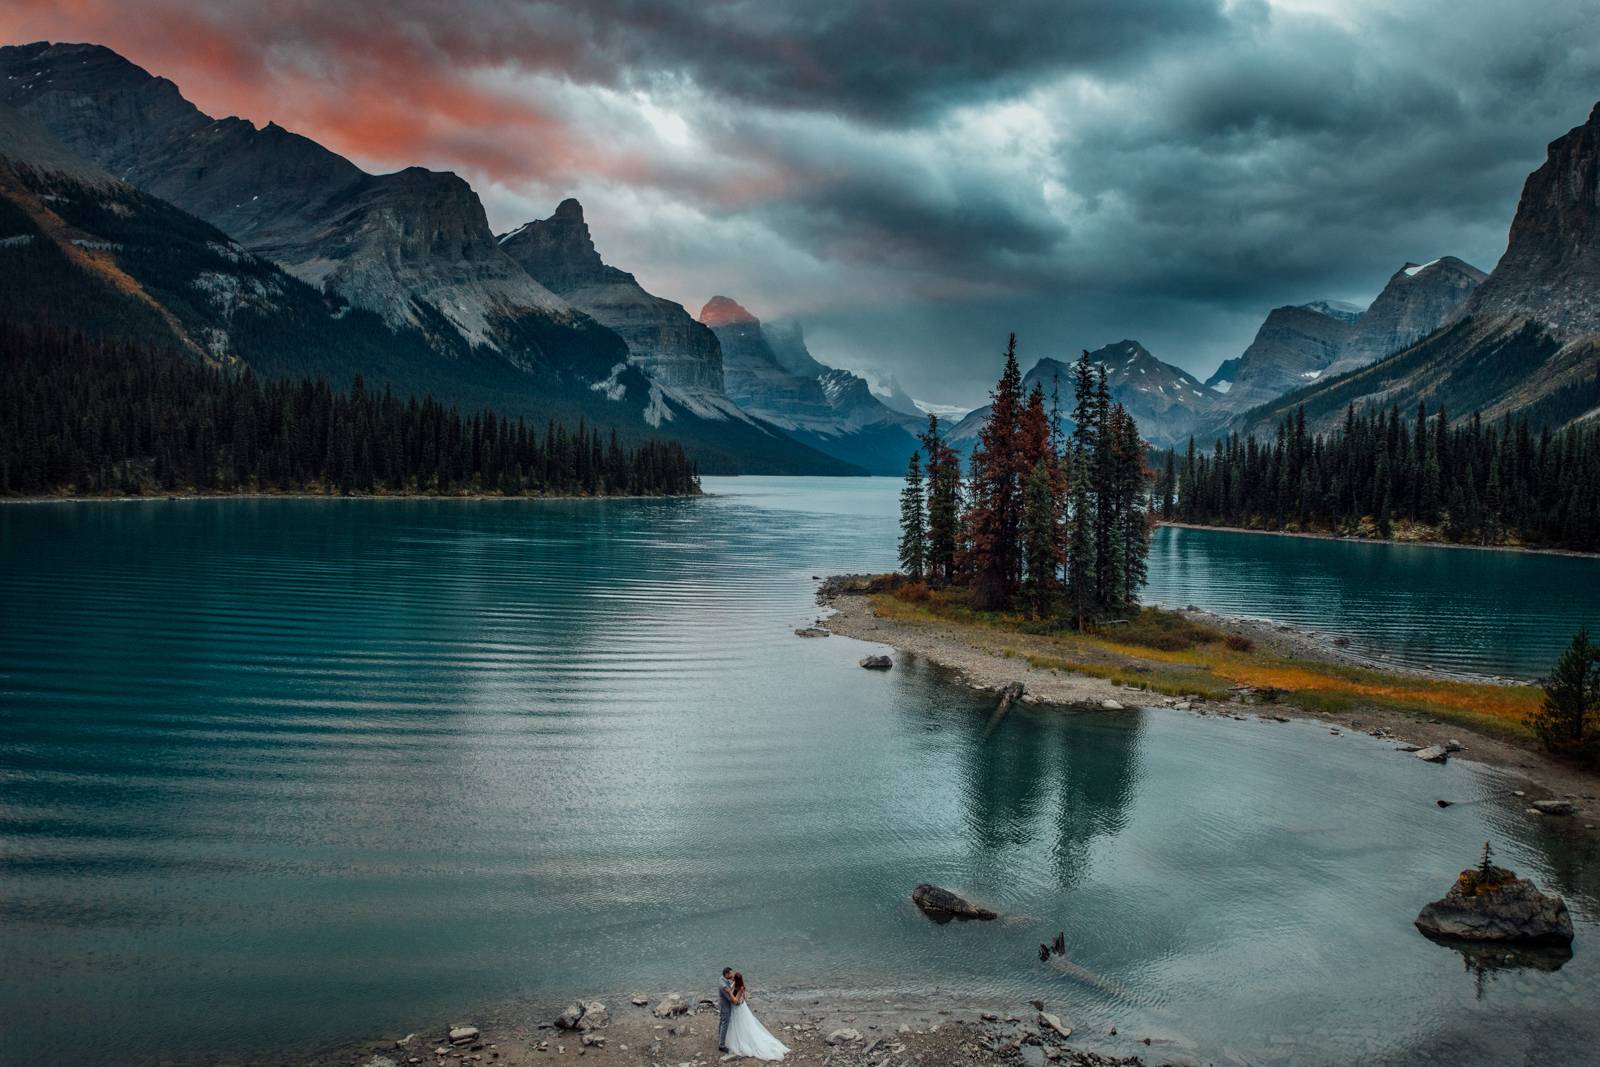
(669, 1030)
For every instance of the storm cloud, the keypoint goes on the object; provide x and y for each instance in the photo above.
(913, 180)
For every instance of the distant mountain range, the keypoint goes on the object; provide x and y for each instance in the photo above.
(126, 212)
(1524, 340)
(769, 372)
(532, 323)
(1167, 402)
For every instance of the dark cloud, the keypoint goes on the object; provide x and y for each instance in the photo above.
(914, 179)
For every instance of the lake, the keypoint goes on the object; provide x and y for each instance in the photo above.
(282, 773)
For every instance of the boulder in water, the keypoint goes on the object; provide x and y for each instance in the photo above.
(1490, 903)
(941, 905)
(877, 663)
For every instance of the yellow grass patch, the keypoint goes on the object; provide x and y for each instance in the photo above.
(1209, 668)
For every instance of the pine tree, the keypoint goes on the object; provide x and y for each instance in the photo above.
(1568, 722)
(913, 521)
(1081, 576)
(944, 504)
(1132, 537)
(994, 518)
(1040, 537)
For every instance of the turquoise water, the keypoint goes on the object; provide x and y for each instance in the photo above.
(1461, 609)
(276, 774)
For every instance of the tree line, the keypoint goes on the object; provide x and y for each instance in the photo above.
(93, 417)
(1057, 524)
(1472, 481)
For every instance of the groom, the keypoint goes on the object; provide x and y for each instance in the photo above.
(724, 1008)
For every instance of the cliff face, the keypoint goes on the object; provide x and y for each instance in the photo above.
(1417, 300)
(755, 377)
(661, 336)
(770, 373)
(1524, 342)
(1293, 348)
(1551, 270)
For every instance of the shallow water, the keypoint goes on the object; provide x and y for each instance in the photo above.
(1461, 609)
(275, 773)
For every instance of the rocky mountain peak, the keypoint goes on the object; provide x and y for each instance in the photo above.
(1551, 270)
(661, 336)
(559, 250)
(1418, 299)
(726, 311)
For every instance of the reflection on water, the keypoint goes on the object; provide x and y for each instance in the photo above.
(287, 772)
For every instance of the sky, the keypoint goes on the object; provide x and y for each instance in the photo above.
(914, 179)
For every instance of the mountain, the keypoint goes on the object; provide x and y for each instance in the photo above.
(1526, 341)
(412, 248)
(81, 251)
(1168, 403)
(1342, 310)
(1418, 299)
(1222, 378)
(769, 372)
(662, 337)
(1293, 346)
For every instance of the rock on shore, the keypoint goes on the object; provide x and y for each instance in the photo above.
(1493, 904)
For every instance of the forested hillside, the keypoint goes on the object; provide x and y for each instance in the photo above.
(92, 417)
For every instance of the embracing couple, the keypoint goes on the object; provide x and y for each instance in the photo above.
(738, 1030)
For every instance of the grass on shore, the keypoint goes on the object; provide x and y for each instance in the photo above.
(1171, 653)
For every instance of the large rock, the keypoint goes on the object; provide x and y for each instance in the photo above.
(941, 905)
(584, 1015)
(670, 1005)
(1433, 754)
(1493, 904)
(1554, 807)
(877, 663)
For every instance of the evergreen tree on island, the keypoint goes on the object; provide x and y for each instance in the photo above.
(943, 505)
(1062, 523)
(913, 523)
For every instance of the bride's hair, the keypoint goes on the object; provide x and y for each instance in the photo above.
(738, 983)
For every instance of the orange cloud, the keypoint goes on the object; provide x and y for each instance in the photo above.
(385, 91)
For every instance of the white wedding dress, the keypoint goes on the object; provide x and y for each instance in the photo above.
(747, 1037)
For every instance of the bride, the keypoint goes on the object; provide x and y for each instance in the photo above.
(746, 1035)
